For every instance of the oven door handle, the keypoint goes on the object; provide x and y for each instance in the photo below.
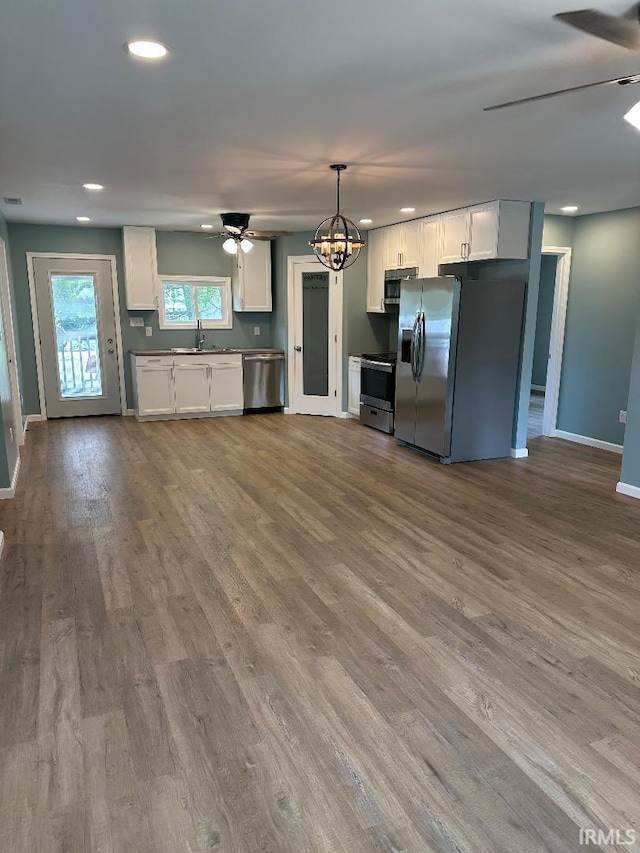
(380, 366)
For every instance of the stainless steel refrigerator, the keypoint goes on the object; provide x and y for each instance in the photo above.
(459, 346)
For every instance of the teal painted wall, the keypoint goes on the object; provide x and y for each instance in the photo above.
(603, 307)
(558, 231)
(546, 293)
(631, 456)
(361, 332)
(179, 253)
(8, 442)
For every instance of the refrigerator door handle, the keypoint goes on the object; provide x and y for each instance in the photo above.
(413, 347)
(423, 346)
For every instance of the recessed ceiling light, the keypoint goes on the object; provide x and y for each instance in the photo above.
(206, 226)
(570, 208)
(83, 218)
(633, 116)
(93, 187)
(145, 49)
(366, 221)
(407, 210)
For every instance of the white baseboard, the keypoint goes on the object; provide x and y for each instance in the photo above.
(629, 491)
(32, 419)
(590, 442)
(519, 452)
(10, 492)
(129, 413)
(347, 415)
(287, 410)
(541, 388)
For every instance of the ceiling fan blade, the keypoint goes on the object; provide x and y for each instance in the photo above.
(623, 30)
(533, 98)
(267, 235)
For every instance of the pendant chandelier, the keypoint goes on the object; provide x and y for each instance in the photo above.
(337, 242)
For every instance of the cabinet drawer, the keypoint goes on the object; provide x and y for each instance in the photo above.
(151, 360)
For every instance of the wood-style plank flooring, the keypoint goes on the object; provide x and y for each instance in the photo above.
(279, 633)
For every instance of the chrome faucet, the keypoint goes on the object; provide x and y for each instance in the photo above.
(199, 336)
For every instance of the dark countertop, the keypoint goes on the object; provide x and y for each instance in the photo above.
(186, 351)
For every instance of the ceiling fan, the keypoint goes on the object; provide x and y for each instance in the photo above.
(236, 230)
(623, 30)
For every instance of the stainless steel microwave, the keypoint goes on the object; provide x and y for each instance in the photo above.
(393, 282)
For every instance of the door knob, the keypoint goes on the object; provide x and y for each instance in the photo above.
(298, 349)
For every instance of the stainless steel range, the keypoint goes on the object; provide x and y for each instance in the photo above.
(378, 390)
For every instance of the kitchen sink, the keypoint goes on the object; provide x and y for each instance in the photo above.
(179, 350)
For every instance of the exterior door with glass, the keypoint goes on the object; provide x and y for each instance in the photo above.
(317, 313)
(77, 321)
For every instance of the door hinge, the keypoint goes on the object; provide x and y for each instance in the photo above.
(335, 338)
(335, 393)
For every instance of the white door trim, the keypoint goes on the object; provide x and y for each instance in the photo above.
(10, 341)
(556, 343)
(76, 256)
(335, 381)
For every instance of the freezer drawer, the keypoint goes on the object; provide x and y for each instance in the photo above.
(376, 418)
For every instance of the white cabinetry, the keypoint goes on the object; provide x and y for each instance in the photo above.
(354, 385)
(227, 393)
(376, 265)
(154, 386)
(493, 231)
(140, 267)
(429, 247)
(183, 386)
(192, 387)
(455, 230)
(251, 278)
(402, 247)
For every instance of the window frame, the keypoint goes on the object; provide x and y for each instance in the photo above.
(224, 282)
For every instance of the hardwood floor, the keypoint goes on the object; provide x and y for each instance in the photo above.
(279, 633)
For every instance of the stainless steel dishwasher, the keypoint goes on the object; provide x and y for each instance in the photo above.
(263, 380)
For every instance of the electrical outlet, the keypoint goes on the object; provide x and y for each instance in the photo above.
(256, 330)
(148, 331)
(622, 417)
(136, 321)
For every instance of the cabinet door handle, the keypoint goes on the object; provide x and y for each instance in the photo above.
(382, 304)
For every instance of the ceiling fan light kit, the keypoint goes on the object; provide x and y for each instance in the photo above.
(337, 243)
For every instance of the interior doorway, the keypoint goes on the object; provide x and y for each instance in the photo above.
(77, 332)
(315, 338)
(549, 341)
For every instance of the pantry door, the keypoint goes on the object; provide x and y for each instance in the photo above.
(77, 329)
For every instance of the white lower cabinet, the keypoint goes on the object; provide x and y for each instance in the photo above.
(354, 385)
(154, 387)
(168, 387)
(192, 387)
(226, 390)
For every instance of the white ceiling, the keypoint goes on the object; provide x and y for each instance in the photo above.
(257, 98)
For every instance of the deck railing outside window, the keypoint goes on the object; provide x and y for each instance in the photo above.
(79, 363)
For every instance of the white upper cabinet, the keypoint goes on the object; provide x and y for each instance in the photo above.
(251, 278)
(454, 234)
(140, 267)
(499, 230)
(429, 247)
(493, 231)
(376, 265)
(402, 248)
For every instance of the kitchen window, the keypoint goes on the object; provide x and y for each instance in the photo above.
(184, 300)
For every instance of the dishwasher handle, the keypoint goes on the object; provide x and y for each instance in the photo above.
(269, 357)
